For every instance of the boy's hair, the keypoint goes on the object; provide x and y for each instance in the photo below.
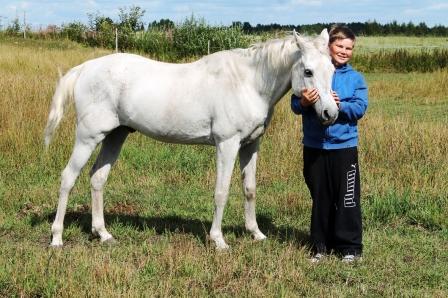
(341, 32)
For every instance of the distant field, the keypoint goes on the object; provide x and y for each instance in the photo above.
(158, 200)
(373, 43)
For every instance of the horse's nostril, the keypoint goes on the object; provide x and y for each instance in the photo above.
(326, 115)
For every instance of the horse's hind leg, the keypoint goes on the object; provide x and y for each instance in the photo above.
(110, 150)
(248, 162)
(80, 155)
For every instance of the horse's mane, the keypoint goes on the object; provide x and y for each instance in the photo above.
(274, 52)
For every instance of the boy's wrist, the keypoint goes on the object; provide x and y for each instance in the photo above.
(304, 103)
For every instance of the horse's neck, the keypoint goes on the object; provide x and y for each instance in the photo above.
(274, 67)
(280, 87)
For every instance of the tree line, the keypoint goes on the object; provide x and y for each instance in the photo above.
(371, 28)
(194, 37)
(131, 20)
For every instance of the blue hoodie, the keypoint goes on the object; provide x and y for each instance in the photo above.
(352, 91)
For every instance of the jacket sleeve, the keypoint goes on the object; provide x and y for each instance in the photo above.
(354, 108)
(296, 107)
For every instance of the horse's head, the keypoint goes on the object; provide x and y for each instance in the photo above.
(315, 70)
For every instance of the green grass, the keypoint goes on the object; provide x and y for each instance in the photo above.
(372, 44)
(396, 54)
(416, 103)
(158, 201)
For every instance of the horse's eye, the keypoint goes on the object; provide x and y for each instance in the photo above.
(308, 73)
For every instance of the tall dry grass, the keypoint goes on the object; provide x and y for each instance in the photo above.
(29, 76)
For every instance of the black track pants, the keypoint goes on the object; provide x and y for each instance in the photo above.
(332, 176)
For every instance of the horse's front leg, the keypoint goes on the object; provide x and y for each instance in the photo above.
(248, 165)
(226, 152)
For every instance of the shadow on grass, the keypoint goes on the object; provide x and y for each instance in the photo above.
(176, 224)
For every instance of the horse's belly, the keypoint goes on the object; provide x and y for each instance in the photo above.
(178, 137)
(168, 120)
(184, 131)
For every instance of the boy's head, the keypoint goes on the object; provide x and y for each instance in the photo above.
(341, 32)
(341, 44)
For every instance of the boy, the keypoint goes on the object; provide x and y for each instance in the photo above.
(330, 155)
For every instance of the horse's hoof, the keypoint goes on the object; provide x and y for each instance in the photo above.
(222, 246)
(110, 241)
(55, 246)
(259, 236)
(218, 243)
(56, 243)
(223, 249)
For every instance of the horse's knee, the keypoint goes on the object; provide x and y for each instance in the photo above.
(249, 192)
(221, 198)
(68, 178)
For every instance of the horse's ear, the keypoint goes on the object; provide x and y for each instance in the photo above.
(299, 39)
(324, 35)
(322, 40)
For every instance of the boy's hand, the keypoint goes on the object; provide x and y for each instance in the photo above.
(309, 97)
(336, 98)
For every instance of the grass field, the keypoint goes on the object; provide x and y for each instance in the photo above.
(373, 44)
(159, 201)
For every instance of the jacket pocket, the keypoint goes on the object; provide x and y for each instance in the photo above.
(340, 132)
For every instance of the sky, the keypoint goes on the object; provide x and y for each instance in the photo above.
(219, 12)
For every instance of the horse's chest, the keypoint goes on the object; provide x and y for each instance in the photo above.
(256, 126)
(257, 132)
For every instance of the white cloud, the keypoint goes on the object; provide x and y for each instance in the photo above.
(438, 6)
(11, 7)
(412, 11)
(424, 10)
(24, 5)
(183, 8)
(92, 3)
(291, 5)
(306, 2)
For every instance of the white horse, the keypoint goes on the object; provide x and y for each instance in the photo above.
(225, 99)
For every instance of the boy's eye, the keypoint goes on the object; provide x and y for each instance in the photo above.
(308, 73)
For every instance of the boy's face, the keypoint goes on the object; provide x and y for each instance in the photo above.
(341, 51)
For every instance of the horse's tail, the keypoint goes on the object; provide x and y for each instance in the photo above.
(64, 92)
